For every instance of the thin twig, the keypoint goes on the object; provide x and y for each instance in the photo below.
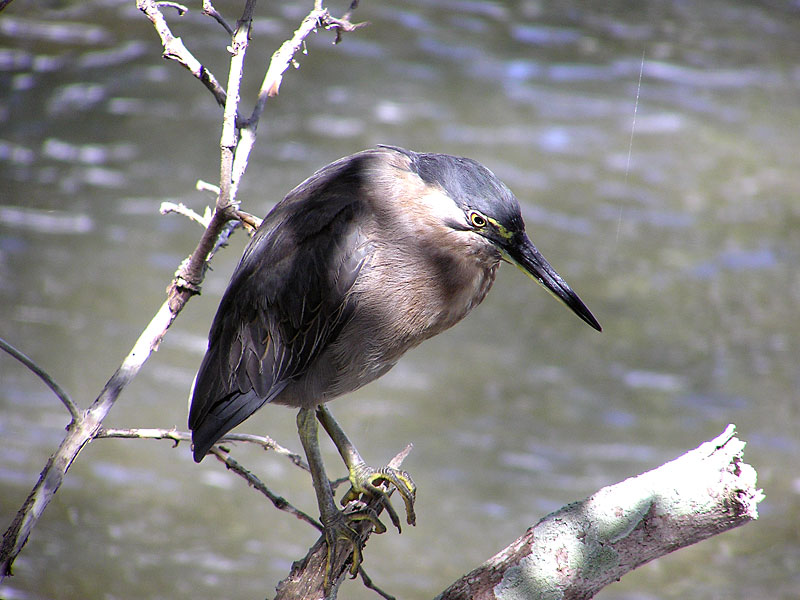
(279, 63)
(176, 436)
(175, 50)
(281, 60)
(398, 459)
(180, 8)
(368, 583)
(284, 57)
(205, 186)
(252, 222)
(182, 209)
(209, 10)
(73, 409)
(82, 431)
(337, 482)
(145, 434)
(343, 23)
(267, 443)
(279, 501)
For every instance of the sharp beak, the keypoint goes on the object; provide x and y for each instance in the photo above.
(524, 254)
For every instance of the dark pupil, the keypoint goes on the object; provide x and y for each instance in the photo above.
(478, 221)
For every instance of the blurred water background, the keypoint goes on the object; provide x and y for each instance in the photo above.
(655, 148)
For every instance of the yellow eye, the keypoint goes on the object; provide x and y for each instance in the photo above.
(477, 219)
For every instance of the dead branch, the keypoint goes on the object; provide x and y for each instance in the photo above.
(209, 10)
(280, 62)
(73, 409)
(266, 442)
(175, 50)
(223, 455)
(581, 548)
(85, 426)
(284, 56)
(79, 433)
(181, 209)
(279, 502)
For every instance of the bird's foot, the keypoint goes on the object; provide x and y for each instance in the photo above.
(339, 526)
(374, 483)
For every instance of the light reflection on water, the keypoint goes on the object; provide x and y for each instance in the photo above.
(680, 237)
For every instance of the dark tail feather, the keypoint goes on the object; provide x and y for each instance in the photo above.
(223, 416)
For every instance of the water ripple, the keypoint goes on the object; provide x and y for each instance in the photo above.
(45, 221)
(60, 32)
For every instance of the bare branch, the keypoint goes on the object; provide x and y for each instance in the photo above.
(284, 57)
(181, 209)
(343, 24)
(581, 548)
(278, 501)
(185, 284)
(137, 433)
(180, 8)
(370, 585)
(73, 409)
(176, 436)
(205, 186)
(81, 431)
(209, 10)
(175, 50)
(229, 138)
(267, 443)
(252, 222)
(279, 63)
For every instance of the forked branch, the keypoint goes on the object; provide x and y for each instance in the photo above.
(175, 50)
(85, 425)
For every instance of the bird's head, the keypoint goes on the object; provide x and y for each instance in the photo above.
(486, 207)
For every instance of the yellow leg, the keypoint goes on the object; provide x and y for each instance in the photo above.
(365, 479)
(336, 524)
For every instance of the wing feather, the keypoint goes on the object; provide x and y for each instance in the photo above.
(288, 299)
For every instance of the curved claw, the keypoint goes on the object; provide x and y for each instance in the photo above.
(357, 511)
(338, 527)
(365, 480)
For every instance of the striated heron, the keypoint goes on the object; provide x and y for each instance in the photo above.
(361, 262)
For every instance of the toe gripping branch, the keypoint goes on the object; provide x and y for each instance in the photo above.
(378, 483)
(369, 492)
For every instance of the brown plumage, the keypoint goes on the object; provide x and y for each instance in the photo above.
(364, 260)
(367, 258)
